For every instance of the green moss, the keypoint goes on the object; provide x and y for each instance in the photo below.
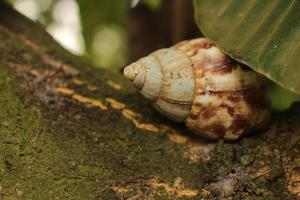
(246, 159)
(31, 164)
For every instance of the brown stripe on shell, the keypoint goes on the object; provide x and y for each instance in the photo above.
(193, 116)
(256, 98)
(240, 125)
(225, 67)
(162, 72)
(219, 129)
(230, 109)
(235, 97)
(197, 104)
(240, 92)
(175, 102)
(208, 112)
(191, 47)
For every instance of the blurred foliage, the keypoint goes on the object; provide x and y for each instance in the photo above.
(153, 4)
(281, 98)
(100, 32)
(104, 31)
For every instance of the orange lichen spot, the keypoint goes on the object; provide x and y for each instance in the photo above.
(177, 189)
(99, 104)
(130, 113)
(78, 81)
(65, 91)
(35, 73)
(128, 116)
(178, 138)
(114, 85)
(205, 193)
(52, 73)
(147, 127)
(82, 99)
(115, 104)
(92, 88)
(174, 135)
(120, 189)
(90, 101)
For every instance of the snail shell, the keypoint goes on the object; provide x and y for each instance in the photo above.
(194, 82)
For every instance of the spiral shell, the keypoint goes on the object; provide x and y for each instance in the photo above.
(194, 82)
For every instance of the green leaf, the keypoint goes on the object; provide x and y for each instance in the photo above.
(263, 34)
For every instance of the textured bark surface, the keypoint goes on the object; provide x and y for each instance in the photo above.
(71, 131)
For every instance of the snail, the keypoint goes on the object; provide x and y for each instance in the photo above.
(194, 82)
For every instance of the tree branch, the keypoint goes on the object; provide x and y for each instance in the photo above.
(71, 131)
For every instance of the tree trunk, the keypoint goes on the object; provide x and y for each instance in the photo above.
(151, 29)
(72, 131)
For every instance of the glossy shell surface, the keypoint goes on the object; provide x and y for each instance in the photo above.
(195, 82)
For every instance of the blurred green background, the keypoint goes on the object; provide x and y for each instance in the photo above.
(115, 32)
(105, 29)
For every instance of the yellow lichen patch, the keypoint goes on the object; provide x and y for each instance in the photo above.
(177, 138)
(114, 85)
(147, 127)
(199, 151)
(99, 104)
(92, 88)
(115, 104)
(65, 91)
(81, 99)
(130, 114)
(205, 193)
(78, 81)
(195, 149)
(90, 101)
(174, 135)
(35, 73)
(177, 189)
(120, 189)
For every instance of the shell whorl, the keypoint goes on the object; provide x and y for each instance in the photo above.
(167, 80)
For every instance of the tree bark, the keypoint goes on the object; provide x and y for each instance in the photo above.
(72, 131)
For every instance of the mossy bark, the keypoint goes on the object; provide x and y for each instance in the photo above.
(72, 131)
